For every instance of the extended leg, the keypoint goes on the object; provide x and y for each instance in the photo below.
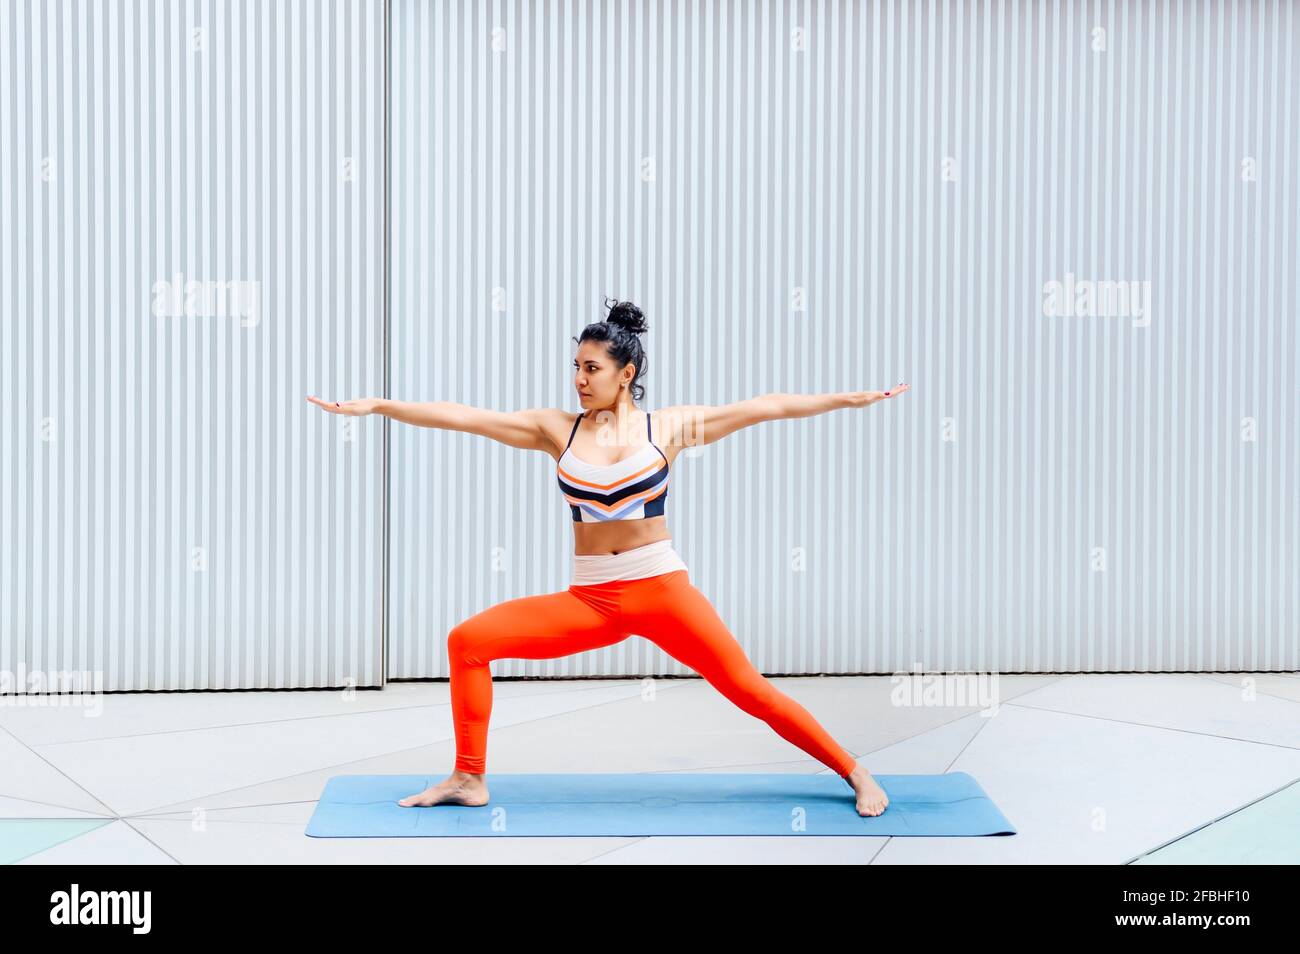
(681, 621)
(530, 627)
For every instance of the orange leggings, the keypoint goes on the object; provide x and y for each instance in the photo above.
(666, 609)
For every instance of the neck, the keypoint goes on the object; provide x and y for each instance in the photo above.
(621, 409)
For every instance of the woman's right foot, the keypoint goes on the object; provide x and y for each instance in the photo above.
(459, 788)
(871, 798)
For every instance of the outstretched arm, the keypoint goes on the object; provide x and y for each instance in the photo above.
(692, 425)
(526, 428)
(806, 405)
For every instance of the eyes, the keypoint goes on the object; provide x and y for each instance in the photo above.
(591, 368)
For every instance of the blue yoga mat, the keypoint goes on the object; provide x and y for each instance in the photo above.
(660, 803)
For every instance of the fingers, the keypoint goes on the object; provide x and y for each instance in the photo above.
(334, 407)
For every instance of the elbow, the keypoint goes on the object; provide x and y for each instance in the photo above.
(769, 407)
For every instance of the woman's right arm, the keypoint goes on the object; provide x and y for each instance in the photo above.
(527, 429)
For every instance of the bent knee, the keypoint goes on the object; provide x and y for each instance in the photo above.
(464, 641)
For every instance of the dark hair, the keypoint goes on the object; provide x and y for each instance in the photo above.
(620, 331)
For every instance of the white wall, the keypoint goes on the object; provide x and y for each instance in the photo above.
(824, 197)
(174, 515)
(804, 198)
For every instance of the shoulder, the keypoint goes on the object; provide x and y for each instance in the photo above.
(557, 424)
(671, 423)
(693, 425)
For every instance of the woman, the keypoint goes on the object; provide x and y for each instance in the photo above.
(612, 464)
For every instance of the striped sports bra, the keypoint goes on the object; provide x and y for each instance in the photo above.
(632, 489)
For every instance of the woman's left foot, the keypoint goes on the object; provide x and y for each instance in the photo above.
(871, 797)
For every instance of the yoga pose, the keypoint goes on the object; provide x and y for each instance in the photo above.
(613, 471)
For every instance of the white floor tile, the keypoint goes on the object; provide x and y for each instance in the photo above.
(126, 714)
(282, 841)
(20, 808)
(744, 850)
(136, 773)
(1281, 685)
(1085, 790)
(1176, 701)
(29, 777)
(113, 844)
(927, 753)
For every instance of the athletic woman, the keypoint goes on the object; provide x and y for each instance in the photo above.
(613, 462)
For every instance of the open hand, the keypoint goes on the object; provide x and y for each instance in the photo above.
(357, 408)
(871, 397)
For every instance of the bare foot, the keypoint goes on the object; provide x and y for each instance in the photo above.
(459, 788)
(871, 797)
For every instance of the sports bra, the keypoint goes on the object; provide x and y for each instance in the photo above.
(632, 489)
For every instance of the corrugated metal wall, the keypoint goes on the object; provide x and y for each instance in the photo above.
(814, 197)
(175, 515)
(804, 197)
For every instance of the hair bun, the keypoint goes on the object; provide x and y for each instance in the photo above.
(628, 316)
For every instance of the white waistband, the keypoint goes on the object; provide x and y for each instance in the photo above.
(652, 559)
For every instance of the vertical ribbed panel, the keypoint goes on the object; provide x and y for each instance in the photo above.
(174, 514)
(820, 197)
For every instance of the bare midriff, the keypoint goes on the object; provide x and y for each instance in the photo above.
(616, 536)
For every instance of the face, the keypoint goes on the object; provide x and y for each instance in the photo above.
(597, 376)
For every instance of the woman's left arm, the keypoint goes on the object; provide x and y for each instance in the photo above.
(806, 405)
(693, 425)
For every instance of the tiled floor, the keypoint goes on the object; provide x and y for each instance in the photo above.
(1104, 769)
